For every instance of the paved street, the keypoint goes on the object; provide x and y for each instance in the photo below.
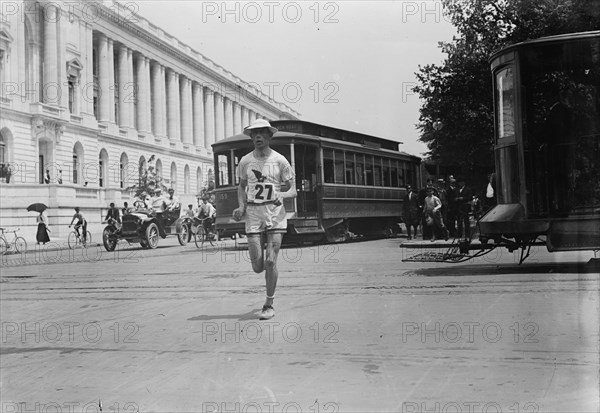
(356, 329)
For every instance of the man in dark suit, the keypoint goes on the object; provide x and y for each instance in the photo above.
(464, 196)
(452, 211)
(411, 211)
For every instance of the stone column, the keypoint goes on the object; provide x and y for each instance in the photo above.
(88, 86)
(123, 74)
(163, 100)
(172, 105)
(111, 81)
(198, 110)
(103, 79)
(228, 117)
(148, 84)
(157, 116)
(237, 118)
(219, 118)
(209, 118)
(245, 120)
(186, 110)
(130, 95)
(142, 94)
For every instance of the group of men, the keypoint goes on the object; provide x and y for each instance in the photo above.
(441, 210)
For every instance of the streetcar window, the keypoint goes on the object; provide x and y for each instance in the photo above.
(237, 156)
(377, 171)
(328, 166)
(360, 169)
(368, 170)
(339, 167)
(349, 168)
(401, 174)
(386, 172)
(505, 101)
(223, 170)
(394, 173)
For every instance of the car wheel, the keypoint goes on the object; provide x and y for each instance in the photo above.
(109, 240)
(152, 235)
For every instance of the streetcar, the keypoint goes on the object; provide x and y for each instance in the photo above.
(349, 184)
(547, 152)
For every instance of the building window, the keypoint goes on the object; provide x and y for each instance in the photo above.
(75, 168)
(121, 175)
(71, 94)
(100, 172)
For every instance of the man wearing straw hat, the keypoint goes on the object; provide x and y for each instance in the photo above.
(262, 173)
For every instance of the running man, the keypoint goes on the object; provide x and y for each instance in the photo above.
(81, 223)
(262, 173)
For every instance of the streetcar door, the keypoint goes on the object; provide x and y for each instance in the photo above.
(305, 158)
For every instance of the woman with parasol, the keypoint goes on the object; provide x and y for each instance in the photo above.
(42, 221)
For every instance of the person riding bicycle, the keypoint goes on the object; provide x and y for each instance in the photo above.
(81, 223)
(207, 213)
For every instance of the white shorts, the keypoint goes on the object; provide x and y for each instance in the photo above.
(265, 217)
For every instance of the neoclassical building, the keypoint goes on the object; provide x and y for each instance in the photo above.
(90, 91)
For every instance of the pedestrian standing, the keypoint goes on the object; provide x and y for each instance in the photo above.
(433, 216)
(43, 229)
(262, 174)
(411, 211)
(464, 196)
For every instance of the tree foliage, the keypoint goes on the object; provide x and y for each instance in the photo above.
(149, 179)
(458, 96)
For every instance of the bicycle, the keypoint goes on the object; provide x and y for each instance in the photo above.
(75, 239)
(19, 243)
(200, 234)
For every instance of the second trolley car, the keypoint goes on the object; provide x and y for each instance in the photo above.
(547, 107)
(348, 183)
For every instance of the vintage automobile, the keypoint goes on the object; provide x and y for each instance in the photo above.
(145, 225)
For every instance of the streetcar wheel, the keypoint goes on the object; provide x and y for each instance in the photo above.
(152, 235)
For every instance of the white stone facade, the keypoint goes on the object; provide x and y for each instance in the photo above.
(93, 90)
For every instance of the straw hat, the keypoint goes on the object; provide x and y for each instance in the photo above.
(258, 124)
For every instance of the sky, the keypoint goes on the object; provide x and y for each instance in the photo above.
(346, 64)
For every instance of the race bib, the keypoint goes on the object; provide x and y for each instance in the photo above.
(263, 192)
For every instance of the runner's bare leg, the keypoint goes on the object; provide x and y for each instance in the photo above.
(271, 273)
(255, 249)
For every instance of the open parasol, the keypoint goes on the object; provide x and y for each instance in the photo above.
(37, 207)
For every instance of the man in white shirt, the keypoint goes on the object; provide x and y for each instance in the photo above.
(262, 173)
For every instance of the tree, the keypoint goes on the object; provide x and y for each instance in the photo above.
(457, 95)
(149, 179)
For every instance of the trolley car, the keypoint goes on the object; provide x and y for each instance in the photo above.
(349, 184)
(547, 117)
(547, 151)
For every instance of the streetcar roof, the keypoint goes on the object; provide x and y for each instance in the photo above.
(321, 133)
(546, 39)
(232, 141)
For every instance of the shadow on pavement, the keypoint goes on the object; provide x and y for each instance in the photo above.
(251, 315)
(450, 270)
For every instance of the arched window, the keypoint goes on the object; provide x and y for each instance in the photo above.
(198, 180)
(174, 176)
(123, 167)
(77, 163)
(102, 169)
(186, 179)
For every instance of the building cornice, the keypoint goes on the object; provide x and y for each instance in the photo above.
(220, 74)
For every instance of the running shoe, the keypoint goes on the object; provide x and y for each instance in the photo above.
(267, 312)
